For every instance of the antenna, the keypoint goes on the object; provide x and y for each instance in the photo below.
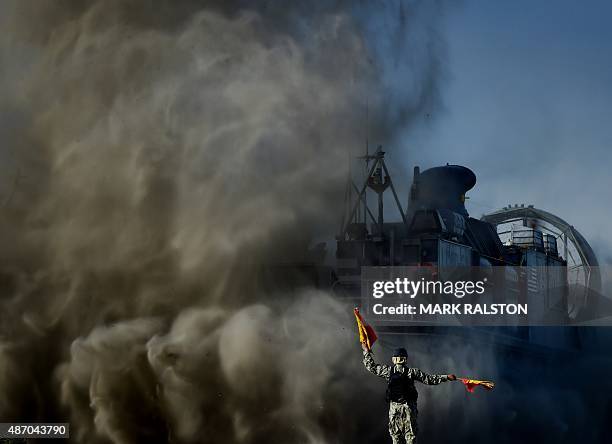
(367, 157)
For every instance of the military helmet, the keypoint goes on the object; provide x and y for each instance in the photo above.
(400, 353)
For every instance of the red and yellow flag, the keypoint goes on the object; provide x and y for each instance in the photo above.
(366, 333)
(471, 384)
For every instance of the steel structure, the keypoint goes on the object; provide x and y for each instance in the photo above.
(582, 263)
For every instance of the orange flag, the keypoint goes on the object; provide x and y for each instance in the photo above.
(366, 333)
(470, 384)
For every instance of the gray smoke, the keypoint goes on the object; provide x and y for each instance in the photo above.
(156, 158)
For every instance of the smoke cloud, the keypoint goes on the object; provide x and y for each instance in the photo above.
(157, 159)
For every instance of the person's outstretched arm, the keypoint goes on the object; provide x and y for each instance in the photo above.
(428, 379)
(378, 369)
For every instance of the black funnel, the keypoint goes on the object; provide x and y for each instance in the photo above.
(442, 187)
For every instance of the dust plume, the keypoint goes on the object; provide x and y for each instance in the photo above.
(157, 158)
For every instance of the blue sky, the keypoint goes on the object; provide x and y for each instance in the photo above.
(528, 106)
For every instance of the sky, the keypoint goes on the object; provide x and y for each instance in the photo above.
(527, 105)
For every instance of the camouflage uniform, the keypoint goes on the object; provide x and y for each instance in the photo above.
(402, 415)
